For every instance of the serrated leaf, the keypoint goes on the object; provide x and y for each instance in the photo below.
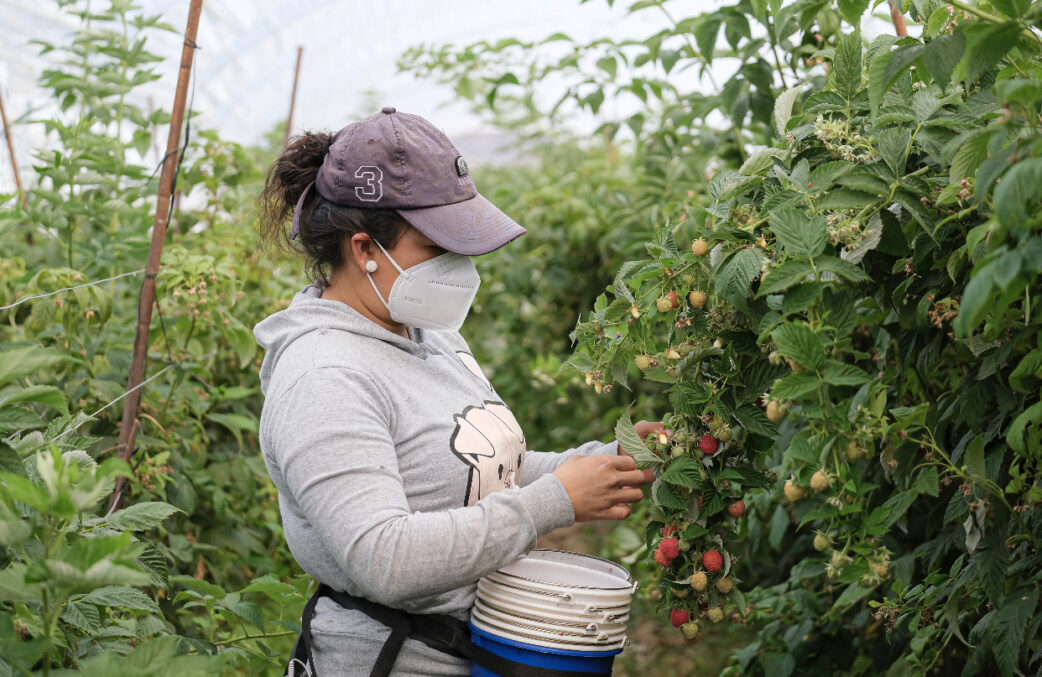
(842, 374)
(799, 342)
(733, 281)
(685, 471)
(141, 516)
(46, 395)
(846, 62)
(705, 35)
(826, 174)
(1006, 630)
(893, 146)
(783, 107)
(1017, 195)
(667, 497)
(620, 286)
(27, 360)
(853, 593)
(120, 597)
(986, 45)
(630, 441)
(848, 271)
(799, 234)
(784, 276)
(795, 386)
(754, 420)
(885, 69)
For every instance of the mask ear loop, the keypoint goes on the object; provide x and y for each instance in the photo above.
(393, 263)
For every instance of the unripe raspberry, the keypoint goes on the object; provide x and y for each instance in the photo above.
(724, 585)
(699, 247)
(679, 616)
(821, 542)
(642, 361)
(678, 451)
(664, 305)
(793, 491)
(697, 299)
(635, 311)
(881, 568)
(776, 411)
(715, 614)
(839, 560)
(690, 630)
(820, 481)
(855, 452)
(672, 354)
(699, 580)
(724, 434)
(681, 593)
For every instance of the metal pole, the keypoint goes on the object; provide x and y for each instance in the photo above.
(10, 149)
(292, 98)
(155, 252)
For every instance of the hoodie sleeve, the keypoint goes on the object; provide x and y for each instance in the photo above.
(539, 463)
(334, 453)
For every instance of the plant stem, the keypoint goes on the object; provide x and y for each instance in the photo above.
(990, 18)
(242, 638)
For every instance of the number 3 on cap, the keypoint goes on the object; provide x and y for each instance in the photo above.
(374, 180)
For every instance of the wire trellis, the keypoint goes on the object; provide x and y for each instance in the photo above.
(65, 289)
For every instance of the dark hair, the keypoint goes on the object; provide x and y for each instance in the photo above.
(323, 224)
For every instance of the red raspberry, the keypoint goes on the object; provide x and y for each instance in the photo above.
(673, 300)
(661, 558)
(668, 531)
(708, 444)
(679, 616)
(736, 509)
(670, 547)
(712, 561)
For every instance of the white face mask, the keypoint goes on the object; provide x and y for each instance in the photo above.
(434, 294)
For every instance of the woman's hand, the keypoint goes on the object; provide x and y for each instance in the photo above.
(600, 487)
(643, 429)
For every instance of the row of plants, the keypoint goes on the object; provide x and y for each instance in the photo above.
(838, 315)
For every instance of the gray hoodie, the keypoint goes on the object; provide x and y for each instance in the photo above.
(402, 476)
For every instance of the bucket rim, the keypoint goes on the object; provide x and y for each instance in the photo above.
(543, 649)
(630, 583)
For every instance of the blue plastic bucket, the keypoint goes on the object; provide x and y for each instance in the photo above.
(538, 656)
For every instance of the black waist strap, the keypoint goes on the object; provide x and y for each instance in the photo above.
(438, 631)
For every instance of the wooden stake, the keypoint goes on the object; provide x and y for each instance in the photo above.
(147, 297)
(292, 99)
(14, 161)
(899, 20)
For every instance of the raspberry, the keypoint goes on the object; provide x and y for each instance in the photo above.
(724, 585)
(715, 614)
(820, 481)
(642, 361)
(855, 452)
(673, 300)
(681, 593)
(679, 616)
(699, 580)
(724, 434)
(690, 630)
(664, 305)
(668, 531)
(699, 247)
(821, 542)
(881, 568)
(793, 491)
(708, 444)
(697, 299)
(712, 561)
(775, 411)
(670, 547)
(661, 558)
(672, 354)
(635, 311)
(736, 509)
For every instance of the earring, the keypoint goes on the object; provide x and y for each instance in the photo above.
(370, 266)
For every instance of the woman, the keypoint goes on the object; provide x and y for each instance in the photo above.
(402, 477)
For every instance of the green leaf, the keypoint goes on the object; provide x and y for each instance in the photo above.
(120, 597)
(630, 441)
(779, 525)
(799, 342)
(853, 593)
(826, 174)
(732, 282)
(893, 147)
(852, 10)
(667, 497)
(795, 386)
(798, 233)
(705, 35)
(27, 360)
(845, 269)
(754, 420)
(1017, 195)
(13, 418)
(1007, 627)
(46, 395)
(846, 71)
(141, 516)
(987, 45)
(842, 374)
(784, 276)
(1015, 434)
(942, 54)
(885, 69)
(783, 107)
(685, 471)
(898, 505)
(608, 65)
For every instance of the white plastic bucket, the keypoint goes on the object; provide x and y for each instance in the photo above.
(590, 627)
(511, 599)
(540, 637)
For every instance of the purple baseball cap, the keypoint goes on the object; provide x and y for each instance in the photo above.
(400, 161)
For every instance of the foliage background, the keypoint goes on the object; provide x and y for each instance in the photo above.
(929, 327)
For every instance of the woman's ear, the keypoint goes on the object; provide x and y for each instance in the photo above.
(360, 249)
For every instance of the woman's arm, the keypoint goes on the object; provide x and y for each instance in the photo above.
(538, 463)
(334, 452)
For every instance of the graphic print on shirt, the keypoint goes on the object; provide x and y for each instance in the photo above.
(489, 440)
(472, 366)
